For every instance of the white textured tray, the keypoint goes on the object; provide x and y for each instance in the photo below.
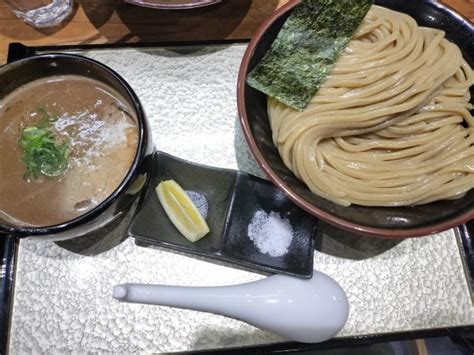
(62, 300)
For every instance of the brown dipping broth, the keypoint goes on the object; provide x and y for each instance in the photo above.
(102, 131)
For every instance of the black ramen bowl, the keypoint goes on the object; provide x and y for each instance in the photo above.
(21, 72)
(389, 222)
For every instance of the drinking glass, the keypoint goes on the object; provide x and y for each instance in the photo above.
(41, 13)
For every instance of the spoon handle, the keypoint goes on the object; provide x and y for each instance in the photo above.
(208, 299)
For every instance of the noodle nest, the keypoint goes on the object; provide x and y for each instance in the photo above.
(391, 125)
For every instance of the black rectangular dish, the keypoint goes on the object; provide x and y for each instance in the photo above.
(220, 245)
(231, 200)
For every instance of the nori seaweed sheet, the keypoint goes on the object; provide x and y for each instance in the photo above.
(306, 49)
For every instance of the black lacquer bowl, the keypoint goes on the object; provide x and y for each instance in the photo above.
(21, 72)
(390, 222)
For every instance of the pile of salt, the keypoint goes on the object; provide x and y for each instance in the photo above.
(270, 233)
(200, 201)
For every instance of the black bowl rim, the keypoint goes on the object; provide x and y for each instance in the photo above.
(292, 195)
(23, 231)
(170, 6)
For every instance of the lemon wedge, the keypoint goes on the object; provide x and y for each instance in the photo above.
(181, 210)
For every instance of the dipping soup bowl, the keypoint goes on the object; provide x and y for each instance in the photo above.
(119, 202)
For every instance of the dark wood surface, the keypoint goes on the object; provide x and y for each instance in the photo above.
(113, 21)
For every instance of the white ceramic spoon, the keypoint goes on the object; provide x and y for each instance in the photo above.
(307, 311)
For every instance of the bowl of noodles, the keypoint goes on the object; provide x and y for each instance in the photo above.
(385, 148)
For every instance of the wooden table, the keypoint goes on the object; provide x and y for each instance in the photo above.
(112, 21)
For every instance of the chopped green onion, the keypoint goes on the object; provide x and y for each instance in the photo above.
(44, 154)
